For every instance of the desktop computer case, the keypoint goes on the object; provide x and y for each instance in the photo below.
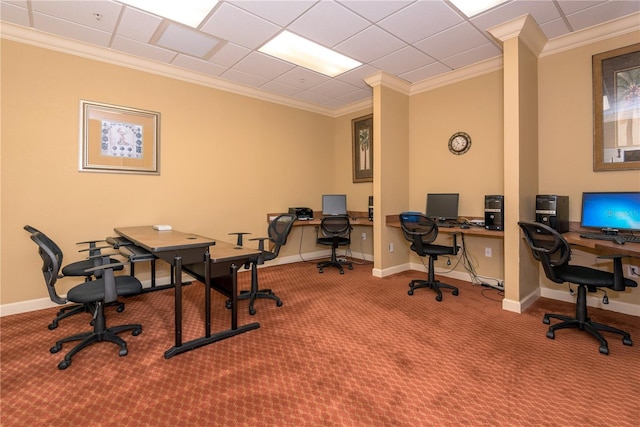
(494, 212)
(553, 211)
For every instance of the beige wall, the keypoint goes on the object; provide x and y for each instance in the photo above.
(227, 160)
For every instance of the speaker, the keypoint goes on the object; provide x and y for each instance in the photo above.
(494, 212)
(553, 211)
(370, 208)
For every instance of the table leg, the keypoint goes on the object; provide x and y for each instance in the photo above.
(234, 296)
(178, 302)
(207, 295)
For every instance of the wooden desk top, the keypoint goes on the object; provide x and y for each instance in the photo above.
(630, 249)
(394, 221)
(356, 218)
(160, 241)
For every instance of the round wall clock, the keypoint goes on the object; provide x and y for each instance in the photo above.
(459, 143)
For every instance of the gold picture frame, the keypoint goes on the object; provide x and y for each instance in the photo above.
(116, 139)
(362, 143)
(616, 109)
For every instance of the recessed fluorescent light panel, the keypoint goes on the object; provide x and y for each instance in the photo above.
(474, 7)
(190, 12)
(307, 54)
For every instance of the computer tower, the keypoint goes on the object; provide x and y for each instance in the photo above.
(553, 211)
(494, 212)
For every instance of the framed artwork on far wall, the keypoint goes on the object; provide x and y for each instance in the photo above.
(616, 109)
(116, 139)
(362, 135)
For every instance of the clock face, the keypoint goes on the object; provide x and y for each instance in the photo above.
(459, 143)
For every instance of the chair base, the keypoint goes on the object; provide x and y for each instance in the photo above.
(584, 323)
(335, 263)
(100, 333)
(80, 308)
(253, 296)
(436, 285)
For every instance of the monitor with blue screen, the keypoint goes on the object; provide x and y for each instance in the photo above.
(334, 204)
(610, 211)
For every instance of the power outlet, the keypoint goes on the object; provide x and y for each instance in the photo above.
(364, 236)
(390, 247)
(487, 252)
(633, 271)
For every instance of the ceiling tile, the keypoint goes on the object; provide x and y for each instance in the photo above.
(16, 13)
(356, 76)
(301, 78)
(328, 23)
(243, 78)
(137, 25)
(240, 27)
(82, 12)
(472, 56)
(334, 88)
(375, 10)
(268, 66)
(459, 38)
(423, 73)
(229, 54)
(402, 61)
(142, 49)
(70, 30)
(602, 12)
(420, 20)
(541, 11)
(279, 88)
(199, 65)
(273, 10)
(370, 44)
(187, 40)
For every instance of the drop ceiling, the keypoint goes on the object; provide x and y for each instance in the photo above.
(413, 40)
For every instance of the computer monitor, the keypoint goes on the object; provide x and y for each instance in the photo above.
(611, 211)
(442, 206)
(334, 204)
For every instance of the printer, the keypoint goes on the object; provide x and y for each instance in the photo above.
(302, 213)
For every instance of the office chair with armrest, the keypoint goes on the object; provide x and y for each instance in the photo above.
(278, 231)
(75, 269)
(336, 232)
(95, 293)
(421, 231)
(554, 253)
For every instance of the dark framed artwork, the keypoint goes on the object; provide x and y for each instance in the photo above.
(616, 109)
(115, 139)
(362, 135)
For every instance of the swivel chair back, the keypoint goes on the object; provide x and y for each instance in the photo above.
(74, 269)
(421, 231)
(93, 293)
(278, 231)
(554, 253)
(335, 232)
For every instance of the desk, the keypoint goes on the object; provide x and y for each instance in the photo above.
(355, 218)
(606, 246)
(394, 221)
(204, 258)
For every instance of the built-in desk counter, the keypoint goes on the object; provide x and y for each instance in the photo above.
(355, 217)
(473, 230)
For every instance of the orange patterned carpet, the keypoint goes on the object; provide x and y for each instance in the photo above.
(343, 350)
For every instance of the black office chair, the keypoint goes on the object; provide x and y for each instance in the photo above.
(554, 253)
(336, 231)
(421, 231)
(76, 269)
(278, 231)
(95, 293)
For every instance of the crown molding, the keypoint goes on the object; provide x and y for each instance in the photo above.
(618, 27)
(524, 27)
(464, 73)
(387, 80)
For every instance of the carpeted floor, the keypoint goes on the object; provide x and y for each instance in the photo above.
(349, 350)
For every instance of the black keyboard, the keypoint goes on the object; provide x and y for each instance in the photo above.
(630, 238)
(445, 225)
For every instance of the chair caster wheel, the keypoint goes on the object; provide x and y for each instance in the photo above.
(341, 272)
(56, 348)
(410, 292)
(546, 320)
(52, 326)
(604, 349)
(120, 308)
(438, 297)
(627, 341)
(551, 334)
(351, 267)
(123, 352)
(252, 311)
(319, 270)
(455, 292)
(136, 332)
(227, 305)
(64, 364)
(279, 304)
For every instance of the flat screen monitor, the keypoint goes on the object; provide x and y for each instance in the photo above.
(611, 210)
(334, 204)
(442, 206)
